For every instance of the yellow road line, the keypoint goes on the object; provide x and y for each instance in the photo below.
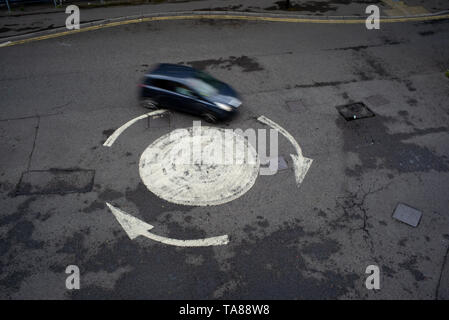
(222, 17)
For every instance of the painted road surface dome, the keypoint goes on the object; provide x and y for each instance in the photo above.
(199, 166)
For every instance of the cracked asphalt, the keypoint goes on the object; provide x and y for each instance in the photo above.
(62, 97)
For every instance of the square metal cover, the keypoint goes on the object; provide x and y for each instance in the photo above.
(355, 111)
(407, 214)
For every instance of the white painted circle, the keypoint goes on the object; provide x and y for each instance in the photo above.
(199, 166)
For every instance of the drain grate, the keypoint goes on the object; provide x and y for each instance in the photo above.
(56, 181)
(355, 111)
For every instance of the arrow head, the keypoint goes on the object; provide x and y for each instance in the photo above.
(133, 227)
(301, 166)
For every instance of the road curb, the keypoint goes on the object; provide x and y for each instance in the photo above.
(189, 15)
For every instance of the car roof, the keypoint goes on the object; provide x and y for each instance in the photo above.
(174, 71)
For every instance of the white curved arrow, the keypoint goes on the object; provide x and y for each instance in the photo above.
(135, 227)
(300, 164)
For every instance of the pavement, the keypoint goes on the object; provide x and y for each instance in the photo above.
(63, 97)
(29, 19)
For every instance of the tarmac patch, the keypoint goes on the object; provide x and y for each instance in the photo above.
(310, 6)
(56, 181)
(247, 64)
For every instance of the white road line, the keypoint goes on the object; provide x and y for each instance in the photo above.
(4, 44)
(119, 131)
(300, 163)
(135, 227)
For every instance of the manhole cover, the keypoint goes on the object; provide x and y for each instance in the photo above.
(355, 111)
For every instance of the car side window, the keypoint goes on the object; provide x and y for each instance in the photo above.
(163, 84)
(149, 81)
(184, 90)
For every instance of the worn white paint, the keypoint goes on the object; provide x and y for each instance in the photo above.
(119, 131)
(4, 44)
(301, 164)
(135, 227)
(199, 166)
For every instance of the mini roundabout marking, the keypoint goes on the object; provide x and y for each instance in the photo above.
(198, 166)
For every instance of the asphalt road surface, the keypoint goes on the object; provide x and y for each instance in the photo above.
(62, 98)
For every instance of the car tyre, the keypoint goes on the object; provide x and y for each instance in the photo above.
(209, 117)
(149, 103)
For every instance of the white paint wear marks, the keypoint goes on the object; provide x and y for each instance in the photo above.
(199, 166)
(4, 44)
(135, 227)
(188, 166)
(109, 142)
(300, 163)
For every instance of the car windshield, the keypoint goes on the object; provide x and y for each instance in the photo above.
(204, 84)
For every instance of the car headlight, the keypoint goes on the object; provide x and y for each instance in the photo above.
(223, 106)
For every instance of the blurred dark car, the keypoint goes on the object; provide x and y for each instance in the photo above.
(182, 88)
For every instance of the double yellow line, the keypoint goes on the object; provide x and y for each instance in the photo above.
(221, 17)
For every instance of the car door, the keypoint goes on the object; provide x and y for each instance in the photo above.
(166, 93)
(189, 101)
(151, 89)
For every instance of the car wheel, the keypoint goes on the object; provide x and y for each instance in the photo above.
(149, 103)
(209, 117)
